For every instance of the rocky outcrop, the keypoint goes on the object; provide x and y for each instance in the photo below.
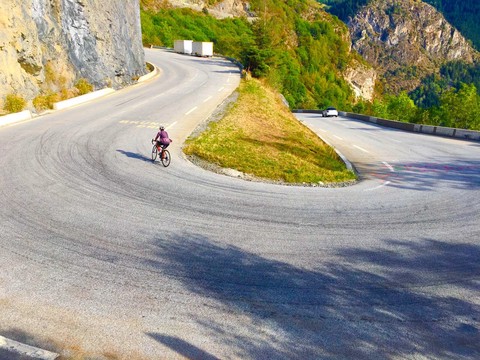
(362, 79)
(49, 44)
(405, 40)
(219, 9)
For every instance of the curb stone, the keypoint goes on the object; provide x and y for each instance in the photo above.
(26, 350)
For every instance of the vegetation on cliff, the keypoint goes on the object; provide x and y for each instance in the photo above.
(416, 51)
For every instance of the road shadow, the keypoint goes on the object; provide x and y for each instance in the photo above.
(402, 300)
(182, 347)
(137, 156)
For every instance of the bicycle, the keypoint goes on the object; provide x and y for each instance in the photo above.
(164, 154)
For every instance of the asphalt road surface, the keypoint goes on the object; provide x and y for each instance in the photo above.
(105, 253)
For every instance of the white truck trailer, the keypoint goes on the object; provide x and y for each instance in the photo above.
(202, 48)
(183, 46)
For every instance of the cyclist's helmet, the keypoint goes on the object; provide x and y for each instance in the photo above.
(162, 127)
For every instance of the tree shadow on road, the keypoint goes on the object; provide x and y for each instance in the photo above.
(182, 347)
(399, 301)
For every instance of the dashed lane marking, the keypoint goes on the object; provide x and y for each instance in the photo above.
(191, 110)
(362, 149)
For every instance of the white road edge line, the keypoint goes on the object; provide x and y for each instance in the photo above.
(26, 350)
(191, 110)
(359, 148)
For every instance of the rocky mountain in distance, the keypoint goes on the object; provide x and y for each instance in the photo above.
(406, 40)
(47, 45)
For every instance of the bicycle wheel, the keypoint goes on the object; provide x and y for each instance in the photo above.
(154, 153)
(165, 158)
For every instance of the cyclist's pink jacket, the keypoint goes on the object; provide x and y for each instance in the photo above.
(163, 137)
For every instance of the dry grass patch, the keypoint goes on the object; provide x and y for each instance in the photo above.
(259, 136)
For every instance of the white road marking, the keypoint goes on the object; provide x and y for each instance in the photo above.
(221, 89)
(338, 137)
(208, 98)
(379, 186)
(191, 110)
(169, 126)
(362, 149)
(390, 167)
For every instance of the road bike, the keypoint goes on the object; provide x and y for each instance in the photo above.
(164, 154)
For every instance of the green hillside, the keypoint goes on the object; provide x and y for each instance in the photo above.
(297, 47)
(301, 51)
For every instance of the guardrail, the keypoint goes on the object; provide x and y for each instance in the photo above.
(27, 114)
(418, 128)
(16, 117)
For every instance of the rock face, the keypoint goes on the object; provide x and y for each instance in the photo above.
(406, 40)
(49, 44)
(362, 79)
(221, 9)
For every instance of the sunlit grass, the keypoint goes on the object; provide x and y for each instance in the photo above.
(259, 136)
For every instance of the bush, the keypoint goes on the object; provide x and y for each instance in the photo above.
(83, 86)
(14, 103)
(45, 101)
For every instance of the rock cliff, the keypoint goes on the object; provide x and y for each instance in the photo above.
(406, 40)
(49, 44)
(219, 9)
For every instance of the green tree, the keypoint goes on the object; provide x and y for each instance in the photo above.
(401, 107)
(461, 108)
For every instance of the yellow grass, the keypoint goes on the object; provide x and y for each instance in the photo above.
(259, 136)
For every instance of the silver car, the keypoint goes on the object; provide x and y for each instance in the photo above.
(330, 111)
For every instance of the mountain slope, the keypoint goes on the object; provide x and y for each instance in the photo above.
(406, 40)
(463, 14)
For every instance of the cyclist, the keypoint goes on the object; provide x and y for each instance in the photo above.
(162, 140)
